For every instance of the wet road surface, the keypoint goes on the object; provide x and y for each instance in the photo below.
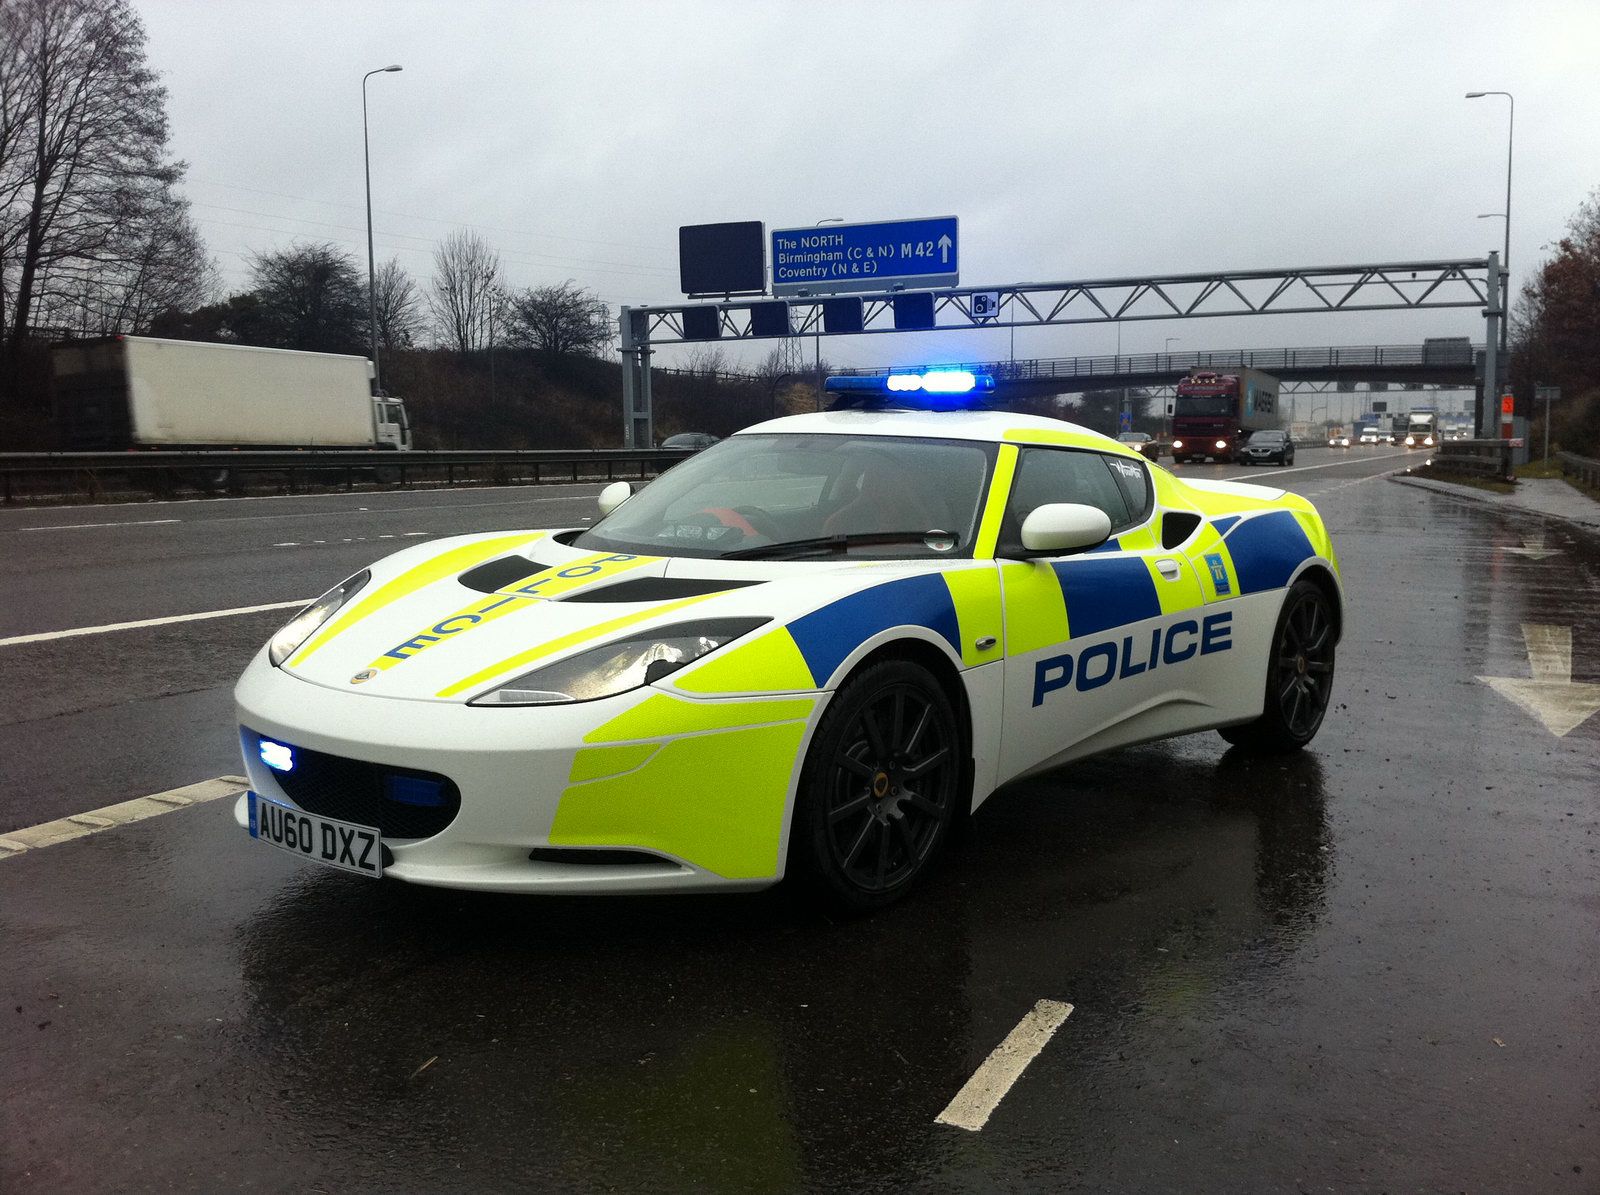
(1372, 966)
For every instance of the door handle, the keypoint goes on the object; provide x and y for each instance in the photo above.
(1169, 569)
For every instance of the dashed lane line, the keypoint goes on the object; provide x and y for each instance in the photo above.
(981, 1095)
(86, 526)
(45, 636)
(81, 825)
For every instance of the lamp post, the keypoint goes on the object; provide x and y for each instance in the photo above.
(1166, 350)
(372, 273)
(1505, 257)
(817, 337)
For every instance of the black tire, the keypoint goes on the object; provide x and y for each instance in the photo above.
(861, 834)
(1299, 676)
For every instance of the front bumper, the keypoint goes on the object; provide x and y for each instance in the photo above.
(697, 792)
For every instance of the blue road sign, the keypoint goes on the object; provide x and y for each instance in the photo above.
(1125, 421)
(841, 258)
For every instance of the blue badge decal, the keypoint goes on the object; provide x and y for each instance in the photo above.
(1219, 572)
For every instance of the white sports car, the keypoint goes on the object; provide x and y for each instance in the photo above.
(810, 648)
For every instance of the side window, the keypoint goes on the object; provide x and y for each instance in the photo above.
(1046, 475)
(1134, 482)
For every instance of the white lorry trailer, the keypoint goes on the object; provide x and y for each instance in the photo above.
(141, 392)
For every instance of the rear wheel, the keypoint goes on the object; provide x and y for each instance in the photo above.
(882, 784)
(1299, 676)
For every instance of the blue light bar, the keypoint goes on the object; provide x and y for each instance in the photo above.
(927, 382)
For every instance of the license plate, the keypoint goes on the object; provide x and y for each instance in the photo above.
(344, 845)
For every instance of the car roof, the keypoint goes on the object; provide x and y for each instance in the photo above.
(996, 426)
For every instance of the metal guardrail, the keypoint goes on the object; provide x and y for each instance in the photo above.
(1473, 458)
(1585, 468)
(25, 474)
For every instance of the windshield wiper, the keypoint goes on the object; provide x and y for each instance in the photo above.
(823, 544)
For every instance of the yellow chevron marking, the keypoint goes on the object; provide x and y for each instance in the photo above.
(446, 564)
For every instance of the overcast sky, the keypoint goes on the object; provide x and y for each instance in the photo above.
(1074, 141)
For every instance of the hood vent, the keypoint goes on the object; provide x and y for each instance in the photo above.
(497, 574)
(654, 589)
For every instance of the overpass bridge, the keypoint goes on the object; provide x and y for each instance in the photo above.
(1300, 369)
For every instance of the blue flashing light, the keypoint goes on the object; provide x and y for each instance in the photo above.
(932, 384)
(277, 756)
(414, 790)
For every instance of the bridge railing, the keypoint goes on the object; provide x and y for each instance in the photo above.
(1323, 357)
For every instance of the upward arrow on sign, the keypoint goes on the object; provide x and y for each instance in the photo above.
(1550, 695)
(944, 250)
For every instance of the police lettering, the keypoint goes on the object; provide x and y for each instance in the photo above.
(1101, 663)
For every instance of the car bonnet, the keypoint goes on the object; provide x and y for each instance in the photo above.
(454, 623)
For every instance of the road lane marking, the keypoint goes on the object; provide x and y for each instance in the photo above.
(81, 825)
(359, 495)
(1560, 703)
(44, 636)
(84, 526)
(1533, 548)
(981, 1095)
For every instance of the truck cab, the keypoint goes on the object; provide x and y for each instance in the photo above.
(391, 425)
(1214, 413)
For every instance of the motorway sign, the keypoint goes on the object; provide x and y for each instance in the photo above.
(843, 258)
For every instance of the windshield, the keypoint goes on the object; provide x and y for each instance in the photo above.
(1267, 438)
(1187, 405)
(819, 494)
(1132, 438)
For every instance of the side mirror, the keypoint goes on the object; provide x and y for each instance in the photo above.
(613, 496)
(1059, 527)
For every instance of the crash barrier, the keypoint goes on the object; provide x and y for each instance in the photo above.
(26, 475)
(1473, 458)
(1585, 468)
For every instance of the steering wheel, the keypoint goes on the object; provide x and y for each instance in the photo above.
(749, 520)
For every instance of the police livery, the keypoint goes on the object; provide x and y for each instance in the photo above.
(809, 649)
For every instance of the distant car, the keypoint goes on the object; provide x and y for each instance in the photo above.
(1145, 444)
(694, 441)
(1338, 441)
(1264, 446)
(1369, 435)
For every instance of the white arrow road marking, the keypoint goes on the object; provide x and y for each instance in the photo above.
(1533, 548)
(981, 1094)
(1550, 695)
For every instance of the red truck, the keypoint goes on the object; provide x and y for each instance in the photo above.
(1215, 412)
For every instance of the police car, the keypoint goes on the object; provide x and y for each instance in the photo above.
(809, 650)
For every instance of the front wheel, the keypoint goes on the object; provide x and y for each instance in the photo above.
(1299, 676)
(881, 786)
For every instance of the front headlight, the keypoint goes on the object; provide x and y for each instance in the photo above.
(1222, 443)
(620, 665)
(301, 627)
(1177, 443)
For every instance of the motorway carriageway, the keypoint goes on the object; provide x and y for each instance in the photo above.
(1369, 965)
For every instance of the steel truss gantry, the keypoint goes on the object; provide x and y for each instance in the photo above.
(1317, 290)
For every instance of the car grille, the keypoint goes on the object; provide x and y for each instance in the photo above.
(401, 802)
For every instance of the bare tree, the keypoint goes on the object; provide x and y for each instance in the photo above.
(562, 320)
(85, 176)
(399, 306)
(466, 288)
(310, 297)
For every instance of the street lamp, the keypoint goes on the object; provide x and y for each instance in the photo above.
(1505, 257)
(817, 337)
(372, 274)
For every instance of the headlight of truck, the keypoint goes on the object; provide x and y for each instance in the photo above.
(1177, 443)
(301, 627)
(620, 665)
(1222, 443)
